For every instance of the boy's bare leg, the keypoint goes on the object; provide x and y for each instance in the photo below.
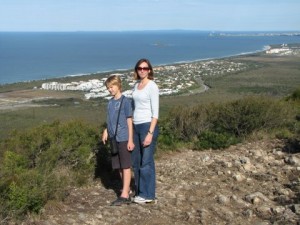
(126, 183)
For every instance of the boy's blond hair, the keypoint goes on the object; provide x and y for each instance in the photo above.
(113, 80)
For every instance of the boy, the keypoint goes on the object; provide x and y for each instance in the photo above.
(124, 136)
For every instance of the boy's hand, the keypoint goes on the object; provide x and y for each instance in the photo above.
(130, 146)
(104, 136)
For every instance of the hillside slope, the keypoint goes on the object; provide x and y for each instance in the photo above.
(252, 183)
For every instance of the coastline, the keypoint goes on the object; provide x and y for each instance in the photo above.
(84, 54)
(23, 105)
(22, 94)
(105, 72)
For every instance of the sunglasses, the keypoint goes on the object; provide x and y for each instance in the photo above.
(143, 68)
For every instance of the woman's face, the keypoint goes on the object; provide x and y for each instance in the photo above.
(143, 70)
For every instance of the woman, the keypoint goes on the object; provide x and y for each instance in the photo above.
(145, 116)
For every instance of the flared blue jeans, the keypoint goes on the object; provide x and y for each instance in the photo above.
(143, 161)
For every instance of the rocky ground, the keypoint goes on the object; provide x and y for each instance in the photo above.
(256, 183)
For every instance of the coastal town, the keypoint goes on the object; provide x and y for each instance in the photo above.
(171, 79)
(178, 79)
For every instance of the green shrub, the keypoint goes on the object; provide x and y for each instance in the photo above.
(186, 123)
(167, 138)
(26, 193)
(40, 164)
(214, 140)
(293, 137)
(295, 96)
(284, 133)
(213, 124)
(244, 116)
(13, 164)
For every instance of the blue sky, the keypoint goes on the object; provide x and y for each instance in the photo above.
(121, 15)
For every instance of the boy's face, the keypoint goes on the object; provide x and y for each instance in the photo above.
(113, 89)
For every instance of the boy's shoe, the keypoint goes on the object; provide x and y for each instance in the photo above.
(121, 201)
(141, 200)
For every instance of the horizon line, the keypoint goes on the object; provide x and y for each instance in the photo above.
(150, 30)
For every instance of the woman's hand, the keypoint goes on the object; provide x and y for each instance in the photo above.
(148, 140)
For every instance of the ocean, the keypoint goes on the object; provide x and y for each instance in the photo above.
(27, 56)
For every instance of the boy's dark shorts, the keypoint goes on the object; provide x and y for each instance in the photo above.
(123, 159)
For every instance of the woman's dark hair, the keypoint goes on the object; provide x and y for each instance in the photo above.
(150, 75)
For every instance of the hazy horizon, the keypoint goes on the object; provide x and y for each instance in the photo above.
(144, 15)
(162, 30)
